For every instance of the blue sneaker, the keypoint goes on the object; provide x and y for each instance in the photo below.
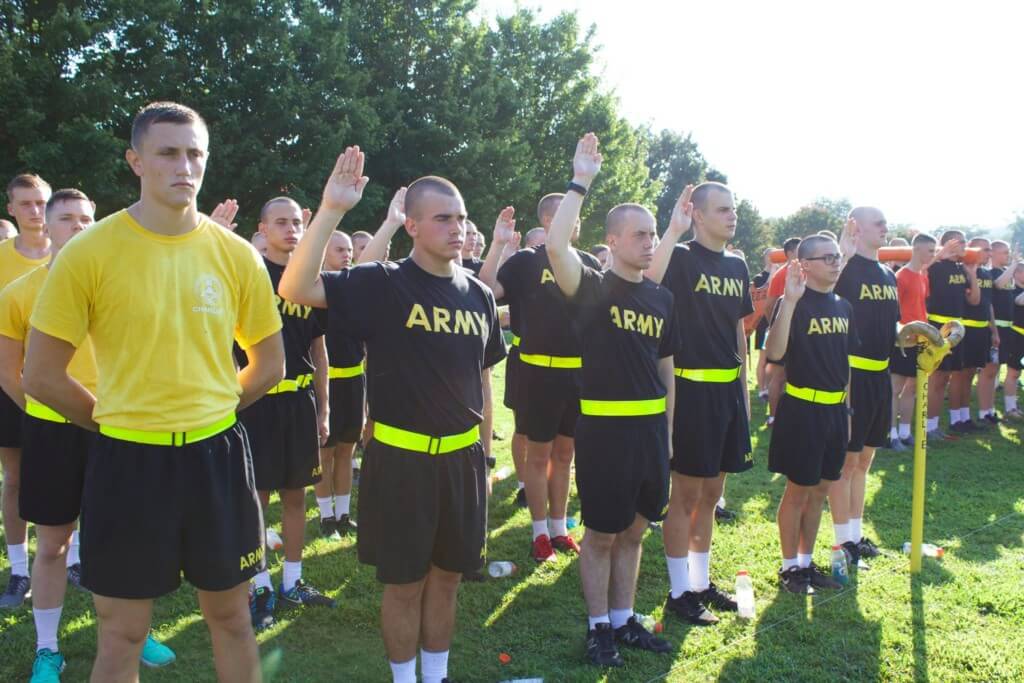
(48, 667)
(155, 654)
(304, 594)
(261, 608)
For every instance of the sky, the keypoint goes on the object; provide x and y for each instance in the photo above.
(914, 107)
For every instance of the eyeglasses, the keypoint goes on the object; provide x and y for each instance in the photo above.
(829, 259)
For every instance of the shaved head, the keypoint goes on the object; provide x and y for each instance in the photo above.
(277, 200)
(702, 192)
(863, 214)
(426, 185)
(624, 215)
(548, 205)
(811, 246)
(535, 237)
(952, 235)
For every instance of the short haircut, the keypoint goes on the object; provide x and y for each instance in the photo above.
(598, 249)
(620, 215)
(790, 245)
(277, 200)
(532, 234)
(809, 244)
(67, 194)
(421, 186)
(548, 204)
(471, 224)
(828, 233)
(700, 195)
(898, 242)
(922, 238)
(162, 112)
(1000, 244)
(976, 241)
(951, 235)
(25, 180)
(361, 235)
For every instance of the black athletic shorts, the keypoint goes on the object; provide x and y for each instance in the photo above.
(954, 360)
(153, 513)
(903, 365)
(348, 398)
(621, 470)
(548, 402)
(10, 422)
(808, 441)
(285, 441)
(1006, 340)
(760, 334)
(871, 401)
(512, 363)
(1015, 350)
(418, 510)
(711, 433)
(53, 458)
(977, 345)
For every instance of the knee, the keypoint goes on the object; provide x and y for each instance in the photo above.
(600, 543)
(235, 622)
(862, 463)
(408, 594)
(12, 478)
(50, 550)
(123, 634)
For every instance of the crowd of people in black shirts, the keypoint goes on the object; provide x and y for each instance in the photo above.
(270, 363)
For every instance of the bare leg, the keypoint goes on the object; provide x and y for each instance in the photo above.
(625, 565)
(235, 653)
(293, 522)
(558, 484)
(438, 612)
(702, 521)
(123, 627)
(538, 459)
(400, 610)
(15, 529)
(595, 570)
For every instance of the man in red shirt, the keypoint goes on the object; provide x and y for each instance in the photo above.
(912, 291)
(776, 287)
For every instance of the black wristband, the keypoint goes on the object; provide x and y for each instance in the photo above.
(577, 188)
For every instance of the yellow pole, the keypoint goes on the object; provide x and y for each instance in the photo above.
(920, 453)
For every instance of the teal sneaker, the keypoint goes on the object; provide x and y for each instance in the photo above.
(48, 667)
(155, 654)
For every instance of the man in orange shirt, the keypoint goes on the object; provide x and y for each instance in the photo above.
(775, 370)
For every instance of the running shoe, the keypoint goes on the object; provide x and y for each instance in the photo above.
(907, 441)
(633, 634)
(794, 580)
(601, 650)
(937, 435)
(155, 654)
(972, 426)
(542, 550)
(819, 579)
(689, 608)
(75, 576)
(18, 588)
(521, 497)
(960, 428)
(1014, 415)
(565, 544)
(261, 608)
(345, 525)
(303, 594)
(896, 445)
(717, 599)
(992, 419)
(48, 667)
(328, 527)
(867, 547)
(724, 515)
(852, 554)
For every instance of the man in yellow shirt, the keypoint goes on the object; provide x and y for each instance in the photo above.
(26, 203)
(169, 488)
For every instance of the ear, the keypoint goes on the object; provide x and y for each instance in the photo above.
(410, 226)
(132, 157)
(262, 228)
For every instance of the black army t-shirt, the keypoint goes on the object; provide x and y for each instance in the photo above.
(821, 335)
(947, 287)
(871, 289)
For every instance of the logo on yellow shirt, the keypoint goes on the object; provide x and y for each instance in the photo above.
(210, 293)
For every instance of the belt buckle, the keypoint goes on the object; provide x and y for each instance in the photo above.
(174, 438)
(434, 445)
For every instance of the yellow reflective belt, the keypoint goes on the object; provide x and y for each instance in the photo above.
(708, 374)
(345, 373)
(1017, 329)
(827, 398)
(1004, 323)
(966, 323)
(169, 438)
(41, 412)
(974, 323)
(516, 339)
(862, 363)
(551, 361)
(941, 318)
(424, 443)
(286, 385)
(652, 406)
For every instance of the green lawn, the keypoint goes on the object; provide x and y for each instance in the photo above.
(962, 619)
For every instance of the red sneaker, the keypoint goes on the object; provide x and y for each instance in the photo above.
(542, 550)
(566, 544)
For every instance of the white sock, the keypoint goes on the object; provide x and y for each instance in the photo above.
(678, 575)
(522, 485)
(557, 527)
(540, 528)
(73, 557)
(262, 580)
(982, 414)
(342, 505)
(933, 424)
(855, 530)
(433, 666)
(18, 556)
(789, 563)
(894, 433)
(47, 621)
(326, 511)
(965, 414)
(1009, 403)
(699, 576)
(594, 621)
(404, 672)
(842, 532)
(954, 415)
(292, 573)
(771, 419)
(619, 617)
(904, 431)
(803, 560)
(721, 502)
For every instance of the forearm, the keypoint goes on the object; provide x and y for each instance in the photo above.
(741, 345)
(778, 336)
(57, 390)
(321, 367)
(264, 370)
(11, 355)
(666, 372)
(973, 290)
(487, 424)
(489, 269)
(301, 283)
(565, 265)
(377, 248)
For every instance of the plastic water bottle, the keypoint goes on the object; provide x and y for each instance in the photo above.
(571, 523)
(501, 474)
(927, 549)
(274, 541)
(745, 594)
(840, 570)
(499, 569)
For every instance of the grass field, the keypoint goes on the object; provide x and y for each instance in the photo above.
(961, 619)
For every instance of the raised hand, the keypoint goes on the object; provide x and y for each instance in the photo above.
(345, 186)
(682, 214)
(513, 244)
(796, 282)
(587, 161)
(224, 214)
(307, 215)
(950, 248)
(396, 209)
(505, 226)
(848, 238)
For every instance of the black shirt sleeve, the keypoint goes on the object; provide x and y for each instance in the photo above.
(510, 275)
(352, 297)
(671, 341)
(494, 350)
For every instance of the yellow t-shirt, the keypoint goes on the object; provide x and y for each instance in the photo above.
(13, 264)
(16, 303)
(162, 312)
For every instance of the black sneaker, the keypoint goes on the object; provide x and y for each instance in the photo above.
(521, 497)
(972, 426)
(475, 576)
(18, 588)
(303, 594)
(75, 576)
(633, 634)
(992, 419)
(328, 527)
(867, 547)
(601, 650)
(907, 440)
(819, 579)
(723, 515)
(345, 525)
(689, 607)
(261, 608)
(852, 551)
(717, 599)
(794, 580)
(958, 428)
(896, 444)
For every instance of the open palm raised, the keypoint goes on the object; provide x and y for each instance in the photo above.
(345, 187)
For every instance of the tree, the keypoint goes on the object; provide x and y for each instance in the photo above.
(822, 214)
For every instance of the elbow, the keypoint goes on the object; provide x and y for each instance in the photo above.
(34, 382)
